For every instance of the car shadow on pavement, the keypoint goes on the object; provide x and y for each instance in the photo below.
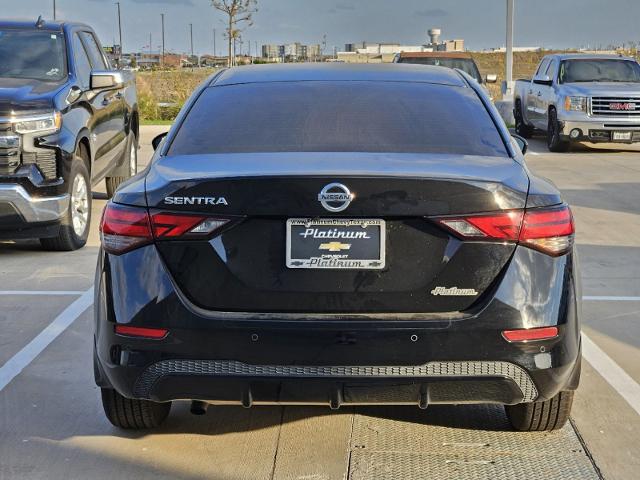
(617, 197)
(222, 420)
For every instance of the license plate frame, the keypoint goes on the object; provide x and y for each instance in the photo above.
(621, 136)
(335, 252)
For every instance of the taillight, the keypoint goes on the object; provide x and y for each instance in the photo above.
(171, 225)
(503, 226)
(124, 228)
(549, 230)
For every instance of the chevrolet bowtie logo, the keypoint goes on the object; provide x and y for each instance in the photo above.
(335, 246)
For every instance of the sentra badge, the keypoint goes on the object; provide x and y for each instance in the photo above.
(195, 201)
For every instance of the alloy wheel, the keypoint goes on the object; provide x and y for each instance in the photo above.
(79, 205)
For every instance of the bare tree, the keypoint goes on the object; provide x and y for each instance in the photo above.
(239, 13)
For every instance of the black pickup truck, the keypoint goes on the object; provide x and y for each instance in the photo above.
(67, 122)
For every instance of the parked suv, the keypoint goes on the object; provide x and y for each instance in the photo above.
(67, 121)
(580, 97)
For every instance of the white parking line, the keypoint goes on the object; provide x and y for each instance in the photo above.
(41, 292)
(24, 357)
(532, 153)
(611, 299)
(620, 380)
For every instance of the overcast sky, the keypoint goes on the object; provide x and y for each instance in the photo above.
(481, 23)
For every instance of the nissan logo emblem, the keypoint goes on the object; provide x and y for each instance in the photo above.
(335, 197)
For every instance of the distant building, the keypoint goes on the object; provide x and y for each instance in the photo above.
(450, 46)
(367, 52)
(270, 51)
(291, 52)
(314, 52)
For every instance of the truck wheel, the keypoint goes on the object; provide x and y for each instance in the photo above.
(131, 159)
(522, 129)
(133, 414)
(541, 416)
(74, 228)
(554, 140)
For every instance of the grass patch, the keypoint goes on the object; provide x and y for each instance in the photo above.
(162, 94)
(151, 121)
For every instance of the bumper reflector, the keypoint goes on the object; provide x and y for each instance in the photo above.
(155, 333)
(530, 334)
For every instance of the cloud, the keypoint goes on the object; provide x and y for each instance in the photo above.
(432, 12)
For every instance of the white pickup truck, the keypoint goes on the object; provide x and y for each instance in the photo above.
(580, 98)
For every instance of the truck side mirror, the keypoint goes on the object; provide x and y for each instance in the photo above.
(103, 80)
(543, 80)
(491, 78)
(155, 143)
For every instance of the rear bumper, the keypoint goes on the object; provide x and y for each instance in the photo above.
(264, 359)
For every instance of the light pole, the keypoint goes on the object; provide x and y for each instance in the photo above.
(162, 58)
(508, 77)
(192, 52)
(214, 43)
(120, 32)
(54, 10)
(191, 34)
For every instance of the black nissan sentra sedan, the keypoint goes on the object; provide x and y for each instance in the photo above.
(337, 235)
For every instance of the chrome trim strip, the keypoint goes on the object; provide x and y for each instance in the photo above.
(34, 209)
(26, 118)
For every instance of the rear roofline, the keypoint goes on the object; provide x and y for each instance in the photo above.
(335, 72)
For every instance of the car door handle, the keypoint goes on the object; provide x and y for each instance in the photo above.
(119, 96)
(107, 100)
(539, 94)
(530, 91)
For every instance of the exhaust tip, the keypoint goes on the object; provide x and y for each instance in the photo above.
(198, 407)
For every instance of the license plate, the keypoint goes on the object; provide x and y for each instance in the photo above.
(622, 136)
(340, 244)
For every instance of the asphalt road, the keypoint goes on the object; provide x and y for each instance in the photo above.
(52, 425)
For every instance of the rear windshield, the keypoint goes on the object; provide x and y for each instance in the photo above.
(467, 65)
(599, 70)
(353, 116)
(32, 54)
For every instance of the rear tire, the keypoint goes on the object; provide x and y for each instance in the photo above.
(133, 414)
(541, 416)
(74, 228)
(522, 129)
(555, 143)
(131, 159)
